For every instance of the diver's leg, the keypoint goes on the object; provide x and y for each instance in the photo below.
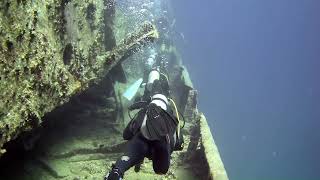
(136, 150)
(160, 157)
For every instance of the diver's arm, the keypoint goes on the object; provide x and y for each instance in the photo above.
(127, 132)
(138, 105)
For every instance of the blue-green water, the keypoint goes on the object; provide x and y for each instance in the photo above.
(256, 66)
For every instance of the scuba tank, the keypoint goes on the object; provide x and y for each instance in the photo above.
(153, 76)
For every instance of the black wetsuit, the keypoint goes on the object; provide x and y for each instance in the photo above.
(161, 124)
(139, 147)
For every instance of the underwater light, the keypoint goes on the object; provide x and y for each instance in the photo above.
(132, 90)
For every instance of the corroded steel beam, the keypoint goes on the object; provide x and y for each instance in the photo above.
(216, 169)
(133, 43)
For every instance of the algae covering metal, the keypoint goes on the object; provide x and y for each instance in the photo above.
(51, 50)
(80, 141)
(215, 164)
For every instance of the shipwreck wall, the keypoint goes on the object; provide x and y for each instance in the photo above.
(47, 53)
(216, 170)
(51, 50)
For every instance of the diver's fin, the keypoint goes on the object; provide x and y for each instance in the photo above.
(132, 90)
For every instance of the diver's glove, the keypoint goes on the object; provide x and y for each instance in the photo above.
(138, 105)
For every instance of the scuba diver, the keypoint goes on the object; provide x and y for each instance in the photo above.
(154, 132)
